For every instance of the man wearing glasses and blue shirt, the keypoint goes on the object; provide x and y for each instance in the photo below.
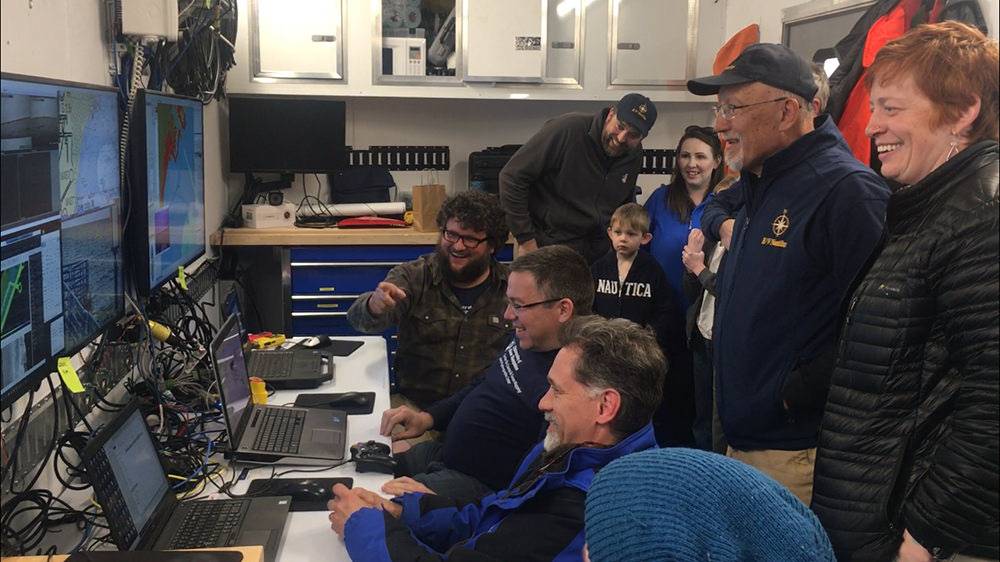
(491, 423)
(448, 305)
(563, 184)
(809, 219)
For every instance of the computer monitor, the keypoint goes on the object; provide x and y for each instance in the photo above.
(166, 224)
(60, 151)
(31, 307)
(286, 134)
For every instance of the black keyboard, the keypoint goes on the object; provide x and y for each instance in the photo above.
(210, 523)
(114, 509)
(272, 364)
(280, 430)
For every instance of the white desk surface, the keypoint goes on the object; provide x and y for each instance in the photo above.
(308, 535)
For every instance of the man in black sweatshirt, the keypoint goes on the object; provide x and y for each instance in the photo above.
(563, 184)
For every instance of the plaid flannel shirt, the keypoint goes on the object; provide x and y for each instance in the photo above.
(441, 348)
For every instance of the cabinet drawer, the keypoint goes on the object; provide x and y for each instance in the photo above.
(322, 303)
(344, 278)
(316, 323)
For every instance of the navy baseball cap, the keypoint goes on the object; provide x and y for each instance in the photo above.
(768, 63)
(638, 111)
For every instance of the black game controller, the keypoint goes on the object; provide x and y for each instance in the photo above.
(373, 456)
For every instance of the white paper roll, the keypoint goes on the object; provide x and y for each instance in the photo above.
(358, 209)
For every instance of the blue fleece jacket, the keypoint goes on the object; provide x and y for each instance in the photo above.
(538, 517)
(670, 235)
(807, 226)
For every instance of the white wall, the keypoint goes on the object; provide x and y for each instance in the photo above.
(469, 125)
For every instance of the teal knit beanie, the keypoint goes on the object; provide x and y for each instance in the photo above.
(683, 504)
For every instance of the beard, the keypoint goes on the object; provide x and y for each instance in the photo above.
(467, 274)
(612, 148)
(552, 439)
(734, 158)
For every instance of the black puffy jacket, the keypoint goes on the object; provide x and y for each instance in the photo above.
(910, 434)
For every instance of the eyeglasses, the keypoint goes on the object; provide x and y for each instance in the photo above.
(519, 307)
(631, 133)
(471, 242)
(728, 110)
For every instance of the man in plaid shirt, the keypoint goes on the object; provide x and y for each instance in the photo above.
(448, 305)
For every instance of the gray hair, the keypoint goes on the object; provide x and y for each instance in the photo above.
(560, 272)
(621, 355)
(823, 86)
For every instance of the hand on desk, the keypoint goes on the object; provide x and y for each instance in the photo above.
(414, 423)
(385, 297)
(346, 501)
(404, 485)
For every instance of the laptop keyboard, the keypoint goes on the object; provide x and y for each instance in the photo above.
(117, 513)
(280, 430)
(272, 364)
(210, 523)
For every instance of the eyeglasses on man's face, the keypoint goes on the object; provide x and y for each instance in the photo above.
(519, 307)
(728, 110)
(470, 242)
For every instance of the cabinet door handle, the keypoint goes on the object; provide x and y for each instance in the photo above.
(324, 297)
(319, 314)
(344, 263)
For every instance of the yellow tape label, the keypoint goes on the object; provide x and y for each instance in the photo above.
(67, 373)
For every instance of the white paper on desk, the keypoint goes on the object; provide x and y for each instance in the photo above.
(360, 209)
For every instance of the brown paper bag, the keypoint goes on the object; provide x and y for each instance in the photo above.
(427, 200)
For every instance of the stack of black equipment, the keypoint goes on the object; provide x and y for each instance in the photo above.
(485, 166)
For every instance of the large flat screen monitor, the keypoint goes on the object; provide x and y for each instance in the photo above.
(286, 134)
(166, 224)
(61, 205)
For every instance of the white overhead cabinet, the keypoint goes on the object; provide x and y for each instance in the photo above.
(416, 41)
(564, 42)
(653, 42)
(491, 49)
(297, 39)
(505, 41)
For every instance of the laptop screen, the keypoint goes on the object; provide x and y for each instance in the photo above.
(227, 350)
(137, 471)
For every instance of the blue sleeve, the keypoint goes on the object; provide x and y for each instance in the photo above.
(854, 226)
(724, 205)
(438, 521)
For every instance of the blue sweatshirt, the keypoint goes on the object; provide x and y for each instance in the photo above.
(491, 423)
(807, 226)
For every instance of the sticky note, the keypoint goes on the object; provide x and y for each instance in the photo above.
(181, 277)
(67, 373)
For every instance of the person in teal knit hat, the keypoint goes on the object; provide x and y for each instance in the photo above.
(688, 505)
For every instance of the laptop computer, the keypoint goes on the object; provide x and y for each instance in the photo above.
(271, 434)
(143, 512)
(282, 368)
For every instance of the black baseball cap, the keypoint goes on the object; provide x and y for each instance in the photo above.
(638, 111)
(768, 63)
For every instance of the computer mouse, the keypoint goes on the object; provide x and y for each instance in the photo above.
(349, 399)
(306, 491)
(317, 342)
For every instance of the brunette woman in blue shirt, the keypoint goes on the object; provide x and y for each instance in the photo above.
(674, 210)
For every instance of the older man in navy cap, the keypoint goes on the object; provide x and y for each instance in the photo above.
(811, 215)
(563, 184)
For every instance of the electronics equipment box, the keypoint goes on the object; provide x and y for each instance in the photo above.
(268, 216)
